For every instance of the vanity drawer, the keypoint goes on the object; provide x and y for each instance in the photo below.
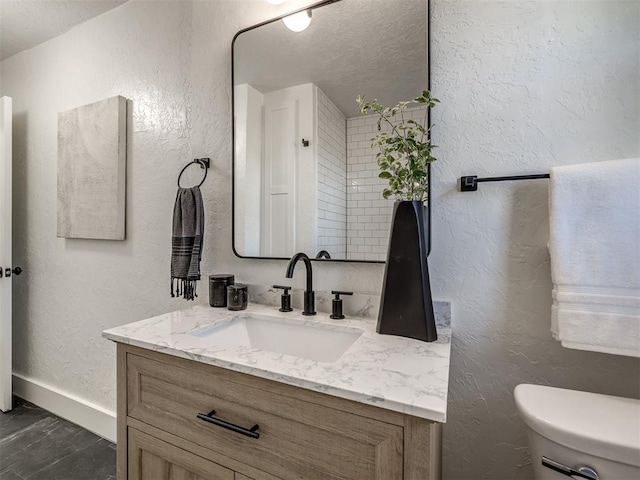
(297, 439)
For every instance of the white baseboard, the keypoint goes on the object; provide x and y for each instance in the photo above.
(89, 416)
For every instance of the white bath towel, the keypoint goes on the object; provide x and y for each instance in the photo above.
(594, 213)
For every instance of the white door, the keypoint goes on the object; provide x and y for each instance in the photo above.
(5, 254)
(278, 205)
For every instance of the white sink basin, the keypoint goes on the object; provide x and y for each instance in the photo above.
(322, 343)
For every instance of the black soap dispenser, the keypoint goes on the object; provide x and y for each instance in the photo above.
(337, 305)
(285, 299)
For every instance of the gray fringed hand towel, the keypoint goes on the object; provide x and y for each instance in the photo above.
(186, 242)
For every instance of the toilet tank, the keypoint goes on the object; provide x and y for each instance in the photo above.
(580, 429)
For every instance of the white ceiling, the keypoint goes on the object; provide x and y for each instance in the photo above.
(27, 23)
(372, 47)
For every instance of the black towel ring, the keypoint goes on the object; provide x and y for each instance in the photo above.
(203, 162)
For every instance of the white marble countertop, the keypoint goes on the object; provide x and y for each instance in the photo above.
(390, 372)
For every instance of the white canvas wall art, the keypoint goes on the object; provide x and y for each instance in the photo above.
(92, 170)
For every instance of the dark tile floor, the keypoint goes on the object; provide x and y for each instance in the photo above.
(37, 445)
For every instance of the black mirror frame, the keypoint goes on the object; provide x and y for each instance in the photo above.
(233, 135)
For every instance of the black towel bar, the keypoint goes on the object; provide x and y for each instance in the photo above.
(469, 183)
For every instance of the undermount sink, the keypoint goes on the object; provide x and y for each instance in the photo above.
(322, 343)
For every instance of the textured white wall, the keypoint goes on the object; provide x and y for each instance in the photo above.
(73, 289)
(524, 86)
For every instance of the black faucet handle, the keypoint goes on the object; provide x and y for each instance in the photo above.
(337, 293)
(283, 287)
(285, 299)
(336, 310)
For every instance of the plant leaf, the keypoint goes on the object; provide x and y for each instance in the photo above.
(404, 146)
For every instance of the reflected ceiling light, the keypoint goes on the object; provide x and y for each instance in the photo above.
(298, 21)
(276, 2)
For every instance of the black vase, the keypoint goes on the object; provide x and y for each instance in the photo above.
(406, 308)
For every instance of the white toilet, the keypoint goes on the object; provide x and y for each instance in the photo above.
(580, 435)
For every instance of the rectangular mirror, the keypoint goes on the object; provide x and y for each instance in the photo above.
(305, 178)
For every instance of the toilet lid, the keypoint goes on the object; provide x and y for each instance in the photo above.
(600, 425)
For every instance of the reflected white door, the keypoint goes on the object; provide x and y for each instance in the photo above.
(5, 254)
(278, 205)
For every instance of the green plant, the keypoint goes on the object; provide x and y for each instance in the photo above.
(405, 150)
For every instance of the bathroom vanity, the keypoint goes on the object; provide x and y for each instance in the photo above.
(212, 394)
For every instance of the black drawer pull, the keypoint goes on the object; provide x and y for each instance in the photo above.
(249, 432)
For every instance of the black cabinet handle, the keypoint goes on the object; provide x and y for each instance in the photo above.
(249, 432)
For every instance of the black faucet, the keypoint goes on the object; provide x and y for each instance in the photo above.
(309, 296)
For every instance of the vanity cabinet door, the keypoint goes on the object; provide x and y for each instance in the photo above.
(153, 459)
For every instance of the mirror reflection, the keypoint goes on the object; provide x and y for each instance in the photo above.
(305, 175)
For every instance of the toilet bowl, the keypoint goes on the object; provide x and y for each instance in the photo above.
(580, 435)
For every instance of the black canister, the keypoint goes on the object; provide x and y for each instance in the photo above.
(218, 289)
(237, 297)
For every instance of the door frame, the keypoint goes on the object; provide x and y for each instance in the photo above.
(6, 401)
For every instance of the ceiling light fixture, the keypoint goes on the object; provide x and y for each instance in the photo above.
(298, 21)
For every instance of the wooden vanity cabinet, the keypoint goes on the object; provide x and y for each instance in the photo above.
(181, 419)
